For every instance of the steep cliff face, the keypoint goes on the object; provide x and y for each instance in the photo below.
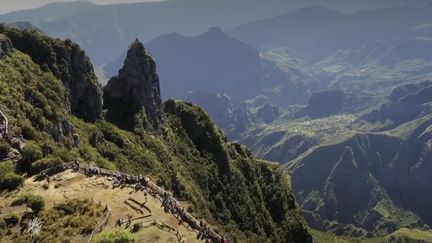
(69, 63)
(406, 103)
(241, 190)
(5, 45)
(85, 91)
(132, 98)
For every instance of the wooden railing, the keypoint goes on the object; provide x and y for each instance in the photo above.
(131, 179)
(170, 228)
(102, 224)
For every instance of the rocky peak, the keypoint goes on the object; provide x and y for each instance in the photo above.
(133, 98)
(5, 45)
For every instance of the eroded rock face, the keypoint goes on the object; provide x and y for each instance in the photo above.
(5, 45)
(85, 92)
(132, 98)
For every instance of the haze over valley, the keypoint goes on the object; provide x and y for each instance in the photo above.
(273, 121)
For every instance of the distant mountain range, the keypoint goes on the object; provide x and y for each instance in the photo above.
(104, 30)
(368, 183)
(354, 174)
(341, 98)
(377, 66)
(318, 32)
(213, 62)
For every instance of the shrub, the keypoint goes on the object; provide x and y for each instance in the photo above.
(45, 163)
(11, 181)
(64, 154)
(28, 132)
(111, 134)
(115, 236)
(35, 202)
(11, 219)
(32, 153)
(4, 149)
(70, 218)
(136, 227)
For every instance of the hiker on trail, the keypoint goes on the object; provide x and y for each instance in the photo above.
(172, 206)
(223, 240)
(116, 183)
(129, 220)
(182, 214)
(168, 203)
(165, 199)
(145, 195)
(203, 230)
(144, 181)
(119, 222)
(137, 187)
(75, 166)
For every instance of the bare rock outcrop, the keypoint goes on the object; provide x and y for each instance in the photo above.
(132, 98)
(5, 45)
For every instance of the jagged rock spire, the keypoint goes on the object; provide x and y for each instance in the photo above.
(132, 98)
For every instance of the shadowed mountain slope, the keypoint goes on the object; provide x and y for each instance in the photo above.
(317, 32)
(368, 183)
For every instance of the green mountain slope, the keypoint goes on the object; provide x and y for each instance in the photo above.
(246, 198)
(372, 183)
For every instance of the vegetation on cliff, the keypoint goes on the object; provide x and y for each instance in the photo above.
(244, 197)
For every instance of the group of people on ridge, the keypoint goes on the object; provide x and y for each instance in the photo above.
(142, 183)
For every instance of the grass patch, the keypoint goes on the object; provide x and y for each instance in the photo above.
(114, 236)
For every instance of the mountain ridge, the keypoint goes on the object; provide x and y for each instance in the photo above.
(190, 156)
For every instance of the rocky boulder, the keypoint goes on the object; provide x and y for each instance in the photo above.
(132, 98)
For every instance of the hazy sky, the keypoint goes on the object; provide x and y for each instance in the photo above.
(10, 5)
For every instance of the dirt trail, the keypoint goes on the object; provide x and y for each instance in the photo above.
(68, 185)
